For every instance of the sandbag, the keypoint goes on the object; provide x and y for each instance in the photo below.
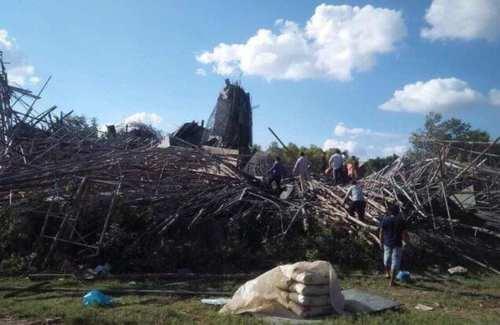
(310, 311)
(309, 290)
(266, 295)
(309, 300)
(312, 278)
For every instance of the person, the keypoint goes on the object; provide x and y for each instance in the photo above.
(276, 172)
(392, 233)
(336, 163)
(352, 168)
(358, 203)
(301, 170)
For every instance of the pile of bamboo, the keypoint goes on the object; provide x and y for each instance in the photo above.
(83, 196)
(75, 201)
(449, 199)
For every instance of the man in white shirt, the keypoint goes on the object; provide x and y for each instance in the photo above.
(336, 163)
(357, 197)
(301, 169)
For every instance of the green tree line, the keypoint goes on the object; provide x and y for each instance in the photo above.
(421, 144)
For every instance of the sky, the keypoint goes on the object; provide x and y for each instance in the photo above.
(359, 75)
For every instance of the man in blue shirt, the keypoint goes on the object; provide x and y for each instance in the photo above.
(392, 234)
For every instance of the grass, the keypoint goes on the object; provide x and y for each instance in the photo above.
(456, 300)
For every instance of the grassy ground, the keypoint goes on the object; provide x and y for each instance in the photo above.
(456, 300)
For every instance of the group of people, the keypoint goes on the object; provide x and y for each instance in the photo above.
(392, 228)
(339, 168)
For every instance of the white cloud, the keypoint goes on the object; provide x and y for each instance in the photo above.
(463, 19)
(34, 80)
(20, 75)
(5, 41)
(494, 97)
(143, 117)
(19, 72)
(336, 42)
(342, 130)
(201, 72)
(349, 145)
(436, 95)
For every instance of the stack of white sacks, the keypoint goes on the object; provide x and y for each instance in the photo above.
(308, 294)
(303, 289)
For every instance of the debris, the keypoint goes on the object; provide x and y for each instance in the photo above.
(123, 196)
(457, 270)
(158, 292)
(229, 125)
(423, 307)
(102, 270)
(357, 301)
(215, 301)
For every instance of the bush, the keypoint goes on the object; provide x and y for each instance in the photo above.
(13, 265)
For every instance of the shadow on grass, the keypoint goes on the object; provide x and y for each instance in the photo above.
(37, 296)
(423, 287)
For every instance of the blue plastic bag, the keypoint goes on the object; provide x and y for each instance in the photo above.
(403, 276)
(96, 298)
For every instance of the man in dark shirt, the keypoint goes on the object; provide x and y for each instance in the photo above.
(392, 234)
(276, 174)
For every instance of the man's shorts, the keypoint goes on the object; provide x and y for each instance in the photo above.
(392, 257)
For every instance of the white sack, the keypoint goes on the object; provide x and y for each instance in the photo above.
(309, 290)
(310, 311)
(309, 300)
(264, 295)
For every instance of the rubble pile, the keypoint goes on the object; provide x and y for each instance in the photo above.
(78, 197)
(450, 201)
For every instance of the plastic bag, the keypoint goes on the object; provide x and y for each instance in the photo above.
(96, 298)
(403, 276)
(268, 294)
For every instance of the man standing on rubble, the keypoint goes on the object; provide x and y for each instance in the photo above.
(392, 233)
(301, 170)
(276, 174)
(357, 204)
(336, 163)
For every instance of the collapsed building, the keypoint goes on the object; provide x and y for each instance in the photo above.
(229, 125)
(72, 198)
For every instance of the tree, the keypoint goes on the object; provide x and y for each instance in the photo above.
(375, 164)
(317, 156)
(255, 148)
(435, 128)
(78, 125)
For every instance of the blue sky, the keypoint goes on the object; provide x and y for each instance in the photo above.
(321, 74)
